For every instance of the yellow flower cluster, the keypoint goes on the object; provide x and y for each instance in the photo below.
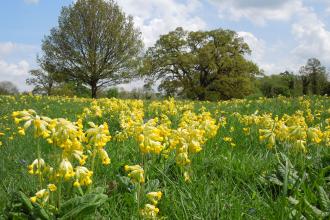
(98, 136)
(29, 117)
(150, 211)
(191, 135)
(136, 173)
(72, 144)
(290, 130)
(154, 135)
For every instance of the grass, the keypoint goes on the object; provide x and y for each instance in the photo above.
(225, 183)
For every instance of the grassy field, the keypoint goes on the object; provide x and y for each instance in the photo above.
(262, 159)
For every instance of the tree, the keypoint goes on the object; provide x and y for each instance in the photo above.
(313, 77)
(274, 85)
(201, 65)
(95, 43)
(8, 88)
(42, 81)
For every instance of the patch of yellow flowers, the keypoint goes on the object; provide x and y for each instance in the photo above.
(72, 147)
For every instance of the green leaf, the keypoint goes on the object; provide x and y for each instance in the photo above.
(26, 201)
(152, 185)
(82, 206)
(325, 202)
(317, 212)
(41, 212)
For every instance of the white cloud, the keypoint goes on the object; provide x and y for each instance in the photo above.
(156, 17)
(256, 45)
(15, 62)
(14, 69)
(259, 51)
(258, 11)
(9, 48)
(312, 36)
(15, 72)
(31, 1)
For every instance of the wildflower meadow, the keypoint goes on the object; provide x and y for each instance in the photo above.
(80, 158)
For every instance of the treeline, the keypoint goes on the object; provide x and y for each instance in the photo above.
(312, 79)
(96, 47)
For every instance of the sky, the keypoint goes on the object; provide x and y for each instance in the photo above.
(282, 34)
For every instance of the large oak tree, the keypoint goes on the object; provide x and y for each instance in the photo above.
(201, 65)
(95, 43)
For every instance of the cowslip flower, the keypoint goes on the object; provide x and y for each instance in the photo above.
(37, 166)
(66, 169)
(52, 187)
(42, 195)
(315, 135)
(154, 197)
(104, 157)
(136, 173)
(83, 176)
(149, 211)
(98, 136)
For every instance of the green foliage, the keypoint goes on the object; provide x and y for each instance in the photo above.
(8, 88)
(83, 206)
(225, 183)
(20, 207)
(95, 43)
(42, 81)
(203, 65)
(80, 207)
(313, 76)
(285, 84)
(112, 92)
(300, 188)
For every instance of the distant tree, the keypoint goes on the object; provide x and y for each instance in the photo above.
(201, 65)
(95, 43)
(305, 80)
(274, 85)
(8, 88)
(42, 81)
(112, 92)
(313, 77)
(292, 82)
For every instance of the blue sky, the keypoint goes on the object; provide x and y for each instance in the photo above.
(282, 34)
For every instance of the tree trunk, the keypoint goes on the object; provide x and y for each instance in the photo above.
(94, 90)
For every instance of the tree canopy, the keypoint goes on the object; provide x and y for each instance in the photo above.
(313, 76)
(95, 43)
(8, 88)
(204, 65)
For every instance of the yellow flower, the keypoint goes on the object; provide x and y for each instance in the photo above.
(42, 193)
(186, 176)
(246, 131)
(98, 136)
(315, 135)
(66, 169)
(154, 197)
(83, 176)
(21, 131)
(300, 145)
(76, 183)
(37, 166)
(52, 187)
(149, 211)
(104, 157)
(33, 199)
(227, 139)
(182, 159)
(136, 173)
